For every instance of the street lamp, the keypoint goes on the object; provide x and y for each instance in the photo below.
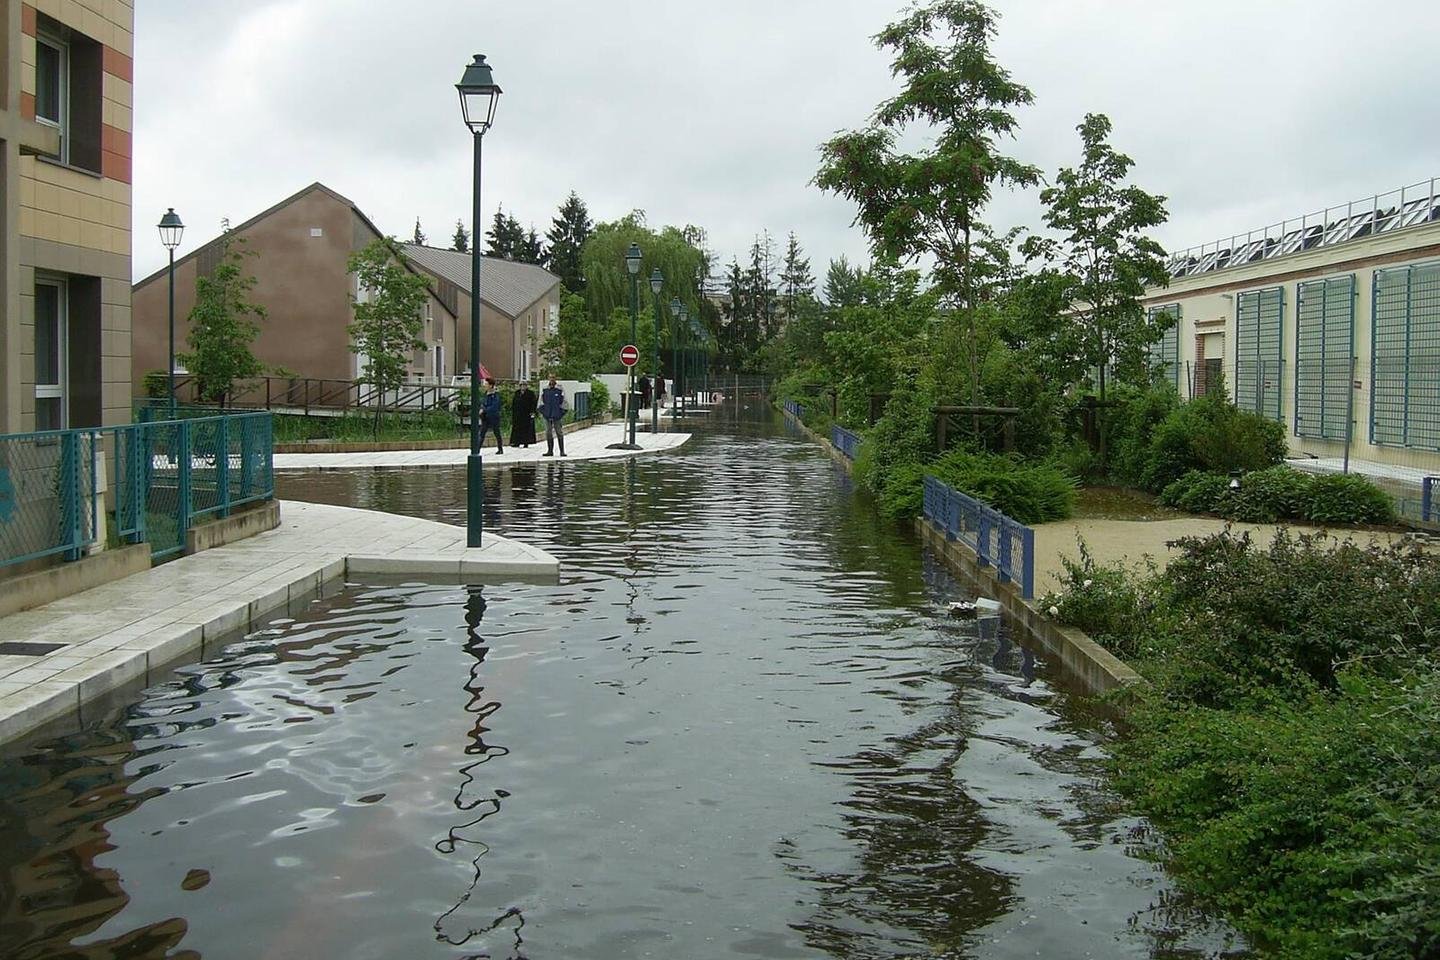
(675, 308)
(479, 96)
(657, 280)
(632, 266)
(684, 327)
(170, 231)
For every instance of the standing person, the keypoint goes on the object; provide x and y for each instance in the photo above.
(490, 415)
(659, 389)
(645, 392)
(522, 416)
(553, 408)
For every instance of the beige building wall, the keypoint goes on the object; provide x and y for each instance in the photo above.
(68, 217)
(1208, 301)
(508, 345)
(300, 251)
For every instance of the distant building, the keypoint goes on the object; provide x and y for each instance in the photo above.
(301, 249)
(1328, 323)
(519, 308)
(65, 123)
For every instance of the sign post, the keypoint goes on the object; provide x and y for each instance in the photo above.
(629, 356)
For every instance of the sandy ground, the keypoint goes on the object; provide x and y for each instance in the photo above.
(1133, 540)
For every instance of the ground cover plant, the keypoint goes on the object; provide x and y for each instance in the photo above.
(1280, 493)
(1285, 741)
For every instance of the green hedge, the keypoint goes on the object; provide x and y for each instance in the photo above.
(1285, 744)
(1026, 491)
(1280, 493)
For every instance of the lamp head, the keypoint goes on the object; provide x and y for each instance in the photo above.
(479, 95)
(171, 229)
(632, 259)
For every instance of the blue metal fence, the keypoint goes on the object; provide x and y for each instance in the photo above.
(794, 409)
(163, 477)
(997, 540)
(845, 441)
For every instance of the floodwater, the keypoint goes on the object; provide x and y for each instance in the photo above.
(742, 726)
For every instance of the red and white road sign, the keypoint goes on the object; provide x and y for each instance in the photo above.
(629, 355)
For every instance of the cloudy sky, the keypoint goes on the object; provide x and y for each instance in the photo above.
(1242, 112)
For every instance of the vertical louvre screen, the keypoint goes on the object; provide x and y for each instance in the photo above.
(1405, 357)
(1324, 346)
(1165, 355)
(1259, 315)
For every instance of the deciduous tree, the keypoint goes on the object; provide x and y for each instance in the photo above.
(388, 318)
(223, 325)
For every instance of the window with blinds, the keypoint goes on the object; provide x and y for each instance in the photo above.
(1259, 355)
(1164, 356)
(1405, 357)
(1324, 357)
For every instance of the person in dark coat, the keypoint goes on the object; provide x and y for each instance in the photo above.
(553, 408)
(522, 416)
(490, 416)
(645, 391)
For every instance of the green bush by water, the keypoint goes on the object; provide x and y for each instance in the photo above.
(1285, 742)
(1280, 493)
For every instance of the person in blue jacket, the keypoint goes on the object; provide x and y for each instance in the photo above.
(553, 408)
(490, 416)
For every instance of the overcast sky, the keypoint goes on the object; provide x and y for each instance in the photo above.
(1241, 112)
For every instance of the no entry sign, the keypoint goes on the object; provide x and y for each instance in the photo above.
(629, 355)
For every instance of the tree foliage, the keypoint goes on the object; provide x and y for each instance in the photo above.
(419, 239)
(223, 326)
(568, 233)
(388, 315)
(461, 241)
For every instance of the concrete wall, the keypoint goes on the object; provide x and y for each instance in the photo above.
(69, 222)
(1207, 302)
(301, 250)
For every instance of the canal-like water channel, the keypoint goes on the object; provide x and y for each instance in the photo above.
(743, 725)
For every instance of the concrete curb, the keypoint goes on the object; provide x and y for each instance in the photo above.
(52, 583)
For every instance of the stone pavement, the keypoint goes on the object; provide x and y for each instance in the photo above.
(587, 444)
(130, 629)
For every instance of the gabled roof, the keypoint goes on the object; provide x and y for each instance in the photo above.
(509, 287)
(317, 185)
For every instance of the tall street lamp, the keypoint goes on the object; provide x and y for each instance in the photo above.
(170, 231)
(657, 280)
(683, 375)
(632, 266)
(479, 96)
(675, 308)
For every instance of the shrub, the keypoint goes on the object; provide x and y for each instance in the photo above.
(1197, 492)
(156, 384)
(599, 398)
(1266, 496)
(1347, 498)
(1106, 601)
(1131, 426)
(1208, 433)
(1026, 492)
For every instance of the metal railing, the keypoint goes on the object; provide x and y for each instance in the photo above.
(1410, 206)
(794, 409)
(163, 476)
(845, 441)
(997, 540)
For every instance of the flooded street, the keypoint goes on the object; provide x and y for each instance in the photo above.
(742, 725)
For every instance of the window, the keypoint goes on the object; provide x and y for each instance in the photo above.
(1164, 356)
(52, 74)
(1405, 357)
(68, 89)
(1259, 315)
(51, 355)
(1324, 357)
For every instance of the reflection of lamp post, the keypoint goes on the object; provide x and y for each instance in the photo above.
(632, 266)
(479, 95)
(684, 329)
(170, 231)
(657, 280)
(675, 308)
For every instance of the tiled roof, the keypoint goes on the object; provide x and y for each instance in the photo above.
(507, 286)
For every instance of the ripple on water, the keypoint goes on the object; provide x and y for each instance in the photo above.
(741, 725)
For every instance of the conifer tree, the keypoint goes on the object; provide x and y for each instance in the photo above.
(419, 239)
(461, 241)
(567, 235)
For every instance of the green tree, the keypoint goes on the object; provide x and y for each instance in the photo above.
(797, 284)
(928, 202)
(506, 237)
(1106, 253)
(223, 325)
(419, 239)
(531, 249)
(843, 284)
(461, 241)
(568, 232)
(388, 319)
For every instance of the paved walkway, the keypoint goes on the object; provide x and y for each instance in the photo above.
(130, 629)
(588, 444)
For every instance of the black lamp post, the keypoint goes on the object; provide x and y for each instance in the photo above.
(675, 307)
(632, 266)
(657, 281)
(170, 231)
(479, 96)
